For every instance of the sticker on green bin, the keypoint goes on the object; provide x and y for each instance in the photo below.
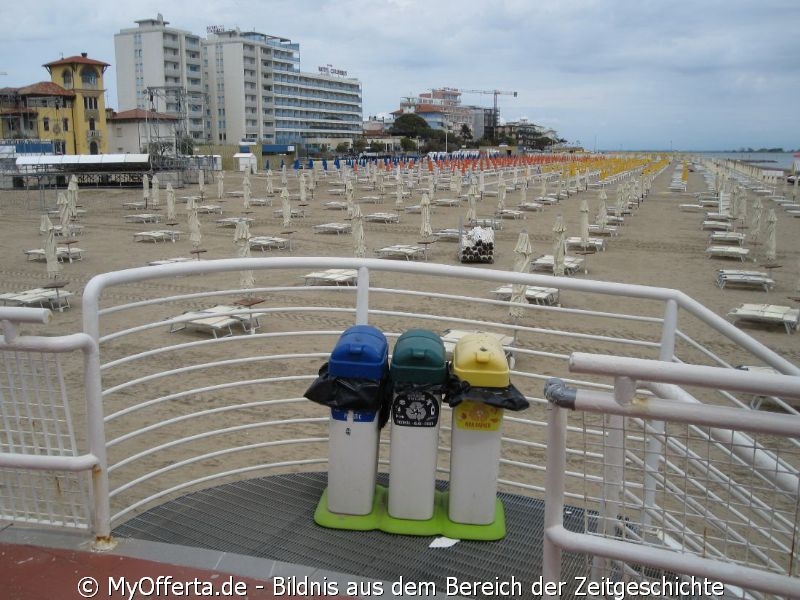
(415, 408)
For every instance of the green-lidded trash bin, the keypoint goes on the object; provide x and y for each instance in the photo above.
(480, 361)
(419, 373)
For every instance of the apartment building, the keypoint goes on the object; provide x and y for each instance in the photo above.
(252, 87)
(160, 69)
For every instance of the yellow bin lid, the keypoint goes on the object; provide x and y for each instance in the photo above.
(479, 359)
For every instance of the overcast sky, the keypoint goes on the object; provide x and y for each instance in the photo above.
(612, 74)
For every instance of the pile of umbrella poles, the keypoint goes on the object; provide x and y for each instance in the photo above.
(477, 246)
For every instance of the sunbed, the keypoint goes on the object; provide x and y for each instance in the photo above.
(531, 206)
(447, 202)
(208, 209)
(609, 230)
(297, 213)
(405, 251)
(218, 320)
(545, 263)
(744, 279)
(336, 228)
(598, 244)
(260, 201)
(510, 213)
(53, 298)
(691, 207)
(233, 221)
(727, 237)
(728, 252)
(533, 294)
(334, 205)
(370, 199)
(63, 253)
(717, 225)
(767, 313)
(449, 235)
(268, 242)
(143, 218)
(382, 217)
(159, 235)
(169, 261)
(332, 277)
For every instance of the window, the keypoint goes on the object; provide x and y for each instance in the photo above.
(88, 77)
(46, 124)
(90, 103)
(119, 131)
(65, 124)
(66, 77)
(91, 124)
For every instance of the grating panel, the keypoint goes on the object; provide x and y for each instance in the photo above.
(272, 518)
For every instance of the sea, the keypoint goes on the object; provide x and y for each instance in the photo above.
(765, 160)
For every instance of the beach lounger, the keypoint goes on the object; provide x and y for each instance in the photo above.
(332, 277)
(370, 199)
(268, 242)
(233, 221)
(767, 313)
(606, 230)
(208, 209)
(52, 298)
(727, 237)
(169, 261)
(447, 235)
(717, 225)
(533, 294)
(218, 320)
(450, 338)
(510, 213)
(531, 206)
(134, 205)
(382, 217)
(728, 252)
(71, 230)
(260, 201)
(297, 213)
(545, 263)
(691, 207)
(143, 218)
(63, 253)
(490, 222)
(447, 202)
(334, 205)
(599, 244)
(405, 251)
(336, 228)
(413, 209)
(744, 279)
(159, 235)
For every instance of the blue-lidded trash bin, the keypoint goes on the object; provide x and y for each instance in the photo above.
(359, 365)
(419, 373)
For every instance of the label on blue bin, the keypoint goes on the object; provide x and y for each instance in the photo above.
(359, 416)
(415, 408)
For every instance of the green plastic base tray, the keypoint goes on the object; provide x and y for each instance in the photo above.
(439, 524)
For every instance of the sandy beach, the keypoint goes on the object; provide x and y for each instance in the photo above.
(658, 245)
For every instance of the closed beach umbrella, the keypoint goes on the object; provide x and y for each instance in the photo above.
(584, 222)
(523, 192)
(425, 227)
(286, 207)
(359, 243)
(220, 185)
(195, 236)
(543, 189)
(559, 246)
(303, 187)
(501, 198)
(771, 251)
(45, 224)
(201, 182)
(155, 193)
(755, 226)
(522, 264)
(398, 195)
(348, 196)
(53, 266)
(270, 187)
(283, 174)
(72, 195)
(145, 189)
(602, 211)
(246, 192)
(64, 214)
(170, 203)
(472, 212)
(241, 238)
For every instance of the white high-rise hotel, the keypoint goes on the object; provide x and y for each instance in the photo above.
(235, 86)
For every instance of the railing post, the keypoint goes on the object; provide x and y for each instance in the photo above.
(554, 491)
(654, 448)
(362, 296)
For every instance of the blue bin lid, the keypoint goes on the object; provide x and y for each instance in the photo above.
(361, 352)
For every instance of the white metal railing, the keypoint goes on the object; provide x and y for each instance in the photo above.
(169, 413)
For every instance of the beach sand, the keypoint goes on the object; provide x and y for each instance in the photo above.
(658, 245)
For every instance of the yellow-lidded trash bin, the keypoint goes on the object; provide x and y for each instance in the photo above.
(480, 361)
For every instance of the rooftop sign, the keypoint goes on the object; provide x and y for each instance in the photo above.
(330, 70)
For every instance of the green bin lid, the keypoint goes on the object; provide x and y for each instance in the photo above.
(419, 357)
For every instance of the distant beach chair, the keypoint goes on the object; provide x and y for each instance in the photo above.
(382, 217)
(728, 252)
(143, 218)
(756, 279)
(405, 251)
(268, 242)
(773, 314)
(217, 320)
(158, 235)
(598, 244)
(336, 228)
(545, 263)
(332, 277)
(54, 298)
(533, 294)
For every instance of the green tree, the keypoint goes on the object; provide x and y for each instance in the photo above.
(412, 126)
(342, 147)
(359, 144)
(407, 144)
(465, 134)
(376, 147)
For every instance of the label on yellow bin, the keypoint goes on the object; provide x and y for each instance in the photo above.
(477, 416)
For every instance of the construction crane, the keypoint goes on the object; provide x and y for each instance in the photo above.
(494, 93)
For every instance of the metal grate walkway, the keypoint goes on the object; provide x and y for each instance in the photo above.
(272, 518)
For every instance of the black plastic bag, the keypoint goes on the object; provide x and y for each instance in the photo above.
(352, 393)
(509, 398)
